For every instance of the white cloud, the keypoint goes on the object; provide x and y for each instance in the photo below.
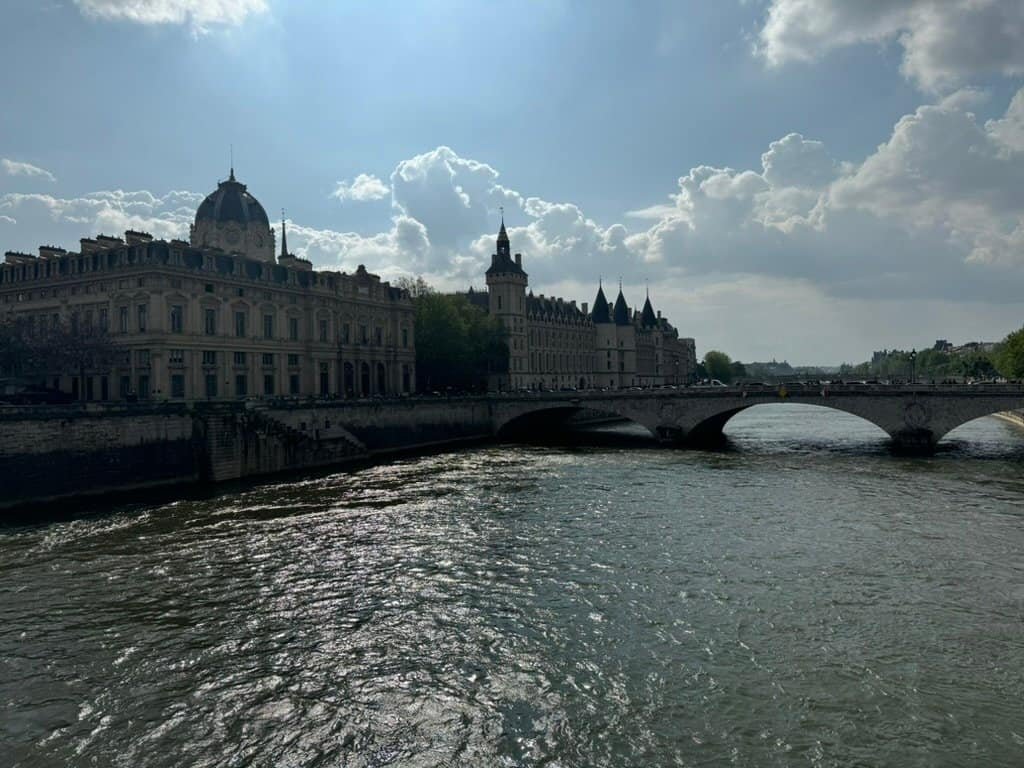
(8, 220)
(363, 188)
(932, 219)
(199, 14)
(14, 168)
(945, 42)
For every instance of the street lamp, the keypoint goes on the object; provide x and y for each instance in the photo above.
(913, 372)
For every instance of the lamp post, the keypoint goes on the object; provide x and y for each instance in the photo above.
(913, 372)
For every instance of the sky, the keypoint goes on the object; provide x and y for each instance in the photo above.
(807, 180)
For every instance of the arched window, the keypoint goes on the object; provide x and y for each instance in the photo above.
(364, 379)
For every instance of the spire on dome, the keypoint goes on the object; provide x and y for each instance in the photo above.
(284, 236)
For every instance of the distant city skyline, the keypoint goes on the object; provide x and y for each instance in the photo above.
(807, 180)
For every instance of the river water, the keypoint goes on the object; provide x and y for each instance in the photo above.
(801, 598)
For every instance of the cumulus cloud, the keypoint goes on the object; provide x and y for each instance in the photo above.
(363, 188)
(933, 217)
(945, 42)
(14, 168)
(51, 219)
(198, 14)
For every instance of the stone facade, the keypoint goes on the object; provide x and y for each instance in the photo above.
(218, 317)
(554, 344)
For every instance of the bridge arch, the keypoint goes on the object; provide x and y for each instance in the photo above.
(546, 417)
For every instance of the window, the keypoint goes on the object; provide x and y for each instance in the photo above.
(104, 321)
(177, 385)
(364, 337)
(141, 358)
(143, 387)
(241, 385)
(268, 358)
(208, 287)
(499, 302)
(176, 356)
(268, 326)
(209, 357)
(378, 336)
(293, 360)
(177, 318)
(240, 324)
(142, 318)
(323, 330)
(125, 387)
(293, 328)
(345, 333)
(210, 322)
(405, 337)
(293, 384)
(122, 319)
(240, 292)
(268, 384)
(239, 358)
(211, 385)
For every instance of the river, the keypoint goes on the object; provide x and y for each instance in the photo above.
(800, 598)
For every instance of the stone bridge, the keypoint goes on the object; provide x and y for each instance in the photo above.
(915, 416)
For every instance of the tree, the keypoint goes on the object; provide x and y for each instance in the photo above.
(457, 344)
(1009, 356)
(68, 347)
(718, 365)
(414, 286)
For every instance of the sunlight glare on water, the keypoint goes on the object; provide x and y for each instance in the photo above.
(799, 598)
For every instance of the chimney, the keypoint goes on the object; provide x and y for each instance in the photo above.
(494, 259)
(659, 314)
(586, 306)
(519, 259)
(49, 251)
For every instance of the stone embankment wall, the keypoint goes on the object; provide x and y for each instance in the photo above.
(51, 453)
(62, 452)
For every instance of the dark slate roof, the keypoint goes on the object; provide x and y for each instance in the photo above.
(503, 263)
(647, 316)
(231, 202)
(479, 299)
(551, 307)
(621, 311)
(600, 314)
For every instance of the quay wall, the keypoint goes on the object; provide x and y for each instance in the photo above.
(47, 454)
(54, 453)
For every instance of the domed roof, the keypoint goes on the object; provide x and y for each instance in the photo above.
(231, 202)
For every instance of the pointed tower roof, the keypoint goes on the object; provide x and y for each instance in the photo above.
(621, 311)
(600, 314)
(504, 247)
(647, 316)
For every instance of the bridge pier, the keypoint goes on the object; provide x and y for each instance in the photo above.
(919, 442)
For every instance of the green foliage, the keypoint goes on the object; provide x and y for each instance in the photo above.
(923, 365)
(1010, 356)
(457, 344)
(719, 366)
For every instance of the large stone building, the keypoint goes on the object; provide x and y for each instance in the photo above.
(555, 344)
(218, 316)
